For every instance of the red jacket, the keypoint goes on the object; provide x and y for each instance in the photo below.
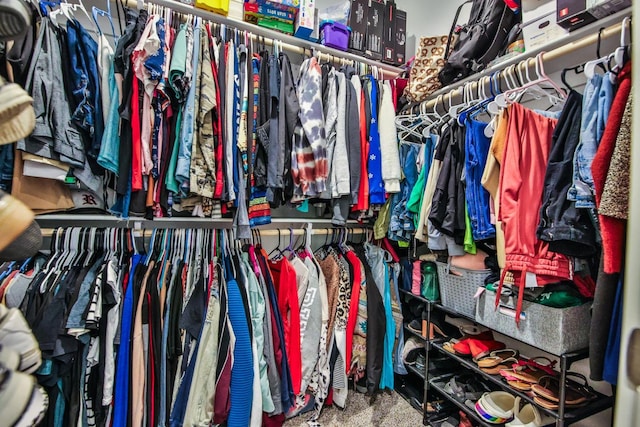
(612, 229)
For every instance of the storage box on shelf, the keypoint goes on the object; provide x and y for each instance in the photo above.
(358, 16)
(573, 14)
(335, 35)
(554, 330)
(401, 37)
(375, 19)
(307, 20)
(389, 33)
(458, 287)
(220, 7)
(273, 14)
(539, 23)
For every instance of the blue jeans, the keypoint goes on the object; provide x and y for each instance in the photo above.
(183, 167)
(597, 98)
(476, 152)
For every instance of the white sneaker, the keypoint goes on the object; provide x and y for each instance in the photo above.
(16, 334)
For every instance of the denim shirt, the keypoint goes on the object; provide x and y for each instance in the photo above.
(183, 166)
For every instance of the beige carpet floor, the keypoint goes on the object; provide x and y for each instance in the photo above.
(389, 409)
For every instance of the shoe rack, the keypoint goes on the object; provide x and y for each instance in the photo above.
(564, 416)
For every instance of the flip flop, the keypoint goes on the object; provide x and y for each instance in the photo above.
(530, 370)
(497, 357)
(495, 370)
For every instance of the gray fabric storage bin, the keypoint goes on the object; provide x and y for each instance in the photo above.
(554, 330)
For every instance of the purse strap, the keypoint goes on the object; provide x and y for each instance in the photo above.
(453, 27)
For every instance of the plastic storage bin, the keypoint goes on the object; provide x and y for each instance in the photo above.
(334, 34)
(458, 287)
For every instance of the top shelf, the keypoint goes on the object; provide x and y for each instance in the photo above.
(579, 43)
(294, 42)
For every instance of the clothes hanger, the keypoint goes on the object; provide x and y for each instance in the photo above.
(621, 54)
(578, 69)
(44, 4)
(511, 95)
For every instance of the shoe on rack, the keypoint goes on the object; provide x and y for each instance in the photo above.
(23, 401)
(17, 117)
(496, 407)
(15, 334)
(20, 235)
(416, 326)
(15, 18)
(528, 416)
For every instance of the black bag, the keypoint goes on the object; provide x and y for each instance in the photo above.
(478, 42)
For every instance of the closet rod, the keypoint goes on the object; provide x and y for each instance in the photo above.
(48, 232)
(290, 43)
(105, 221)
(575, 43)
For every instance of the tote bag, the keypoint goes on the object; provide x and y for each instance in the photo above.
(429, 60)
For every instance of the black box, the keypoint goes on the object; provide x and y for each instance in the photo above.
(375, 29)
(358, 23)
(389, 33)
(573, 14)
(401, 37)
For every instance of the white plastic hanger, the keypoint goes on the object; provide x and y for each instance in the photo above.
(512, 95)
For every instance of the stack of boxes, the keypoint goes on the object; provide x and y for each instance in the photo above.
(277, 15)
(378, 30)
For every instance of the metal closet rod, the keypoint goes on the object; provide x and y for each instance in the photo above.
(48, 232)
(290, 43)
(453, 94)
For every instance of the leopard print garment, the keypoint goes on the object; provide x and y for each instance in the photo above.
(344, 292)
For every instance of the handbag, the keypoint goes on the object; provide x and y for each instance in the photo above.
(491, 27)
(429, 59)
(430, 289)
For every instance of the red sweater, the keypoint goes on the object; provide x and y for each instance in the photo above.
(612, 229)
(284, 279)
(353, 308)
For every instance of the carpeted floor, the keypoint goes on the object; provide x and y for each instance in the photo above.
(389, 409)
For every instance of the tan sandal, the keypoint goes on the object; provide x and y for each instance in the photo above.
(548, 389)
(498, 357)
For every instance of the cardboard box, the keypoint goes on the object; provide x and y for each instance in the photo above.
(554, 330)
(306, 19)
(573, 14)
(358, 23)
(401, 37)
(389, 33)
(542, 30)
(375, 29)
(272, 9)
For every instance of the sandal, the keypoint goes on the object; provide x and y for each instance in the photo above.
(548, 391)
(495, 370)
(496, 358)
(530, 370)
